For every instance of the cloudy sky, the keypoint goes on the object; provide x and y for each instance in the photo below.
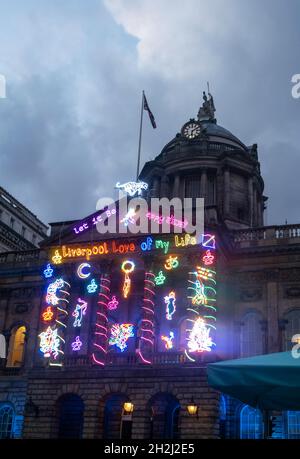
(75, 70)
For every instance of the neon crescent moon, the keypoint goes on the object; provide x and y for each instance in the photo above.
(80, 269)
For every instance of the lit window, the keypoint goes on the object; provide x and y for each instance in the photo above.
(251, 423)
(16, 347)
(293, 424)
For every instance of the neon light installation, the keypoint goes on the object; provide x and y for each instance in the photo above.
(168, 340)
(76, 345)
(48, 272)
(120, 333)
(208, 258)
(101, 338)
(147, 245)
(146, 342)
(113, 303)
(132, 188)
(209, 241)
(127, 267)
(79, 312)
(171, 263)
(56, 258)
(129, 217)
(199, 339)
(48, 314)
(92, 287)
(171, 220)
(184, 241)
(50, 343)
(170, 301)
(51, 297)
(160, 278)
(80, 270)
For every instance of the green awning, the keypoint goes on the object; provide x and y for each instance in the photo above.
(268, 382)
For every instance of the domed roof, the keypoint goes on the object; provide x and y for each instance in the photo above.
(219, 134)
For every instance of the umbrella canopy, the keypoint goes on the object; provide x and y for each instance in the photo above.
(268, 382)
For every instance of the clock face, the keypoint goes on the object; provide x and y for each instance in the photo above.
(191, 130)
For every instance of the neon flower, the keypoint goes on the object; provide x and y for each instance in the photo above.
(168, 340)
(127, 267)
(132, 188)
(199, 339)
(208, 241)
(80, 270)
(48, 314)
(208, 258)
(171, 263)
(48, 272)
(160, 278)
(120, 333)
(112, 304)
(170, 301)
(92, 287)
(76, 345)
(79, 312)
(56, 258)
(51, 297)
(49, 343)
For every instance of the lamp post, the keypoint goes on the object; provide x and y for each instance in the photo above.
(192, 408)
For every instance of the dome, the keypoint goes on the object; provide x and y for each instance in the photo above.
(219, 134)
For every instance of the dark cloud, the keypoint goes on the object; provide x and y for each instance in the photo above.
(75, 71)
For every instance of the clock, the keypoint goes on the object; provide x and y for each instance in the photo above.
(191, 130)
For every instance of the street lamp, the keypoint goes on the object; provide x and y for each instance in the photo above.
(128, 408)
(192, 408)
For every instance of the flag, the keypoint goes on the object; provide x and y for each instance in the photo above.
(146, 107)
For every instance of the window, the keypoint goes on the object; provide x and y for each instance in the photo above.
(34, 238)
(12, 222)
(71, 410)
(164, 420)
(16, 347)
(252, 336)
(23, 231)
(292, 327)
(6, 420)
(223, 412)
(251, 423)
(293, 424)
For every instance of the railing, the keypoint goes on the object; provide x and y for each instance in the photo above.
(267, 233)
(21, 256)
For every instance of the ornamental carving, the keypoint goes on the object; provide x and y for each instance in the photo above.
(249, 295)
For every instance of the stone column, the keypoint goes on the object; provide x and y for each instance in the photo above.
(226, 192)
(176, 186)
(250, 196)
(272, 313)
(255, 219)
(164, 187)
(155, 187)
(203, 184)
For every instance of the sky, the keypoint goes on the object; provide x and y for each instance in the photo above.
(75, 71)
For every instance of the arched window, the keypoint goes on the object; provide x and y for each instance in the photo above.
(116, 425)
(70, 412)
(6, 420)
(252, 336)
(293, 424)
(223, 413)
(165, 410)
(251, 423)
(16, 347)
(292, 327)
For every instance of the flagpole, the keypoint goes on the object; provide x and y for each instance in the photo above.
(140, 139)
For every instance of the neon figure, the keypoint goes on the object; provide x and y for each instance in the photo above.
(48, 314)
(49, 343)
(80, 270)
(171, 263)
(112, 304)
(199, 297)
(51, 297)
(92, 287)
(48, 272)
(120, 334)
(79, 312)
(127, 280)
(199, 339)
(76, 345)
(160, 278)
(170, 301)
(168, 340)
(208, 258)
(132, 188)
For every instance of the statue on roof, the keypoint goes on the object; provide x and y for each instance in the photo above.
(207, 111)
